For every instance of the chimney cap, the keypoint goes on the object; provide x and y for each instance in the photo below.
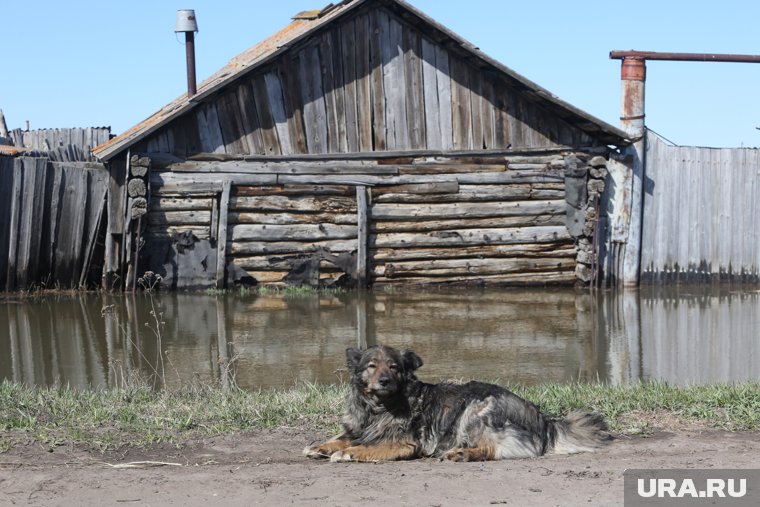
(186, 21)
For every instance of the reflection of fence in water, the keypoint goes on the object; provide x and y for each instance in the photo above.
(105, 341)
(52, 342)
(696, 338)
(701, 337)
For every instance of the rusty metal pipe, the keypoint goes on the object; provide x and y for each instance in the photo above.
(190, 55)
(633, 74)
(684, 57)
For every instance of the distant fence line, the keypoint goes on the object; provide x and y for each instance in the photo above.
(62, 145)
(50, 215)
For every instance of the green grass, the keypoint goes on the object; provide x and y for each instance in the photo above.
(139, 416)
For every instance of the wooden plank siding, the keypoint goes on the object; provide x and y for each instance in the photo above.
(370, 82)
(701, 214)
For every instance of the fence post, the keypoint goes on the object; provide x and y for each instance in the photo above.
(362, 216)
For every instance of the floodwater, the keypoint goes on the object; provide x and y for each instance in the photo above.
(685, 336)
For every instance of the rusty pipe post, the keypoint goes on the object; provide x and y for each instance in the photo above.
(633, 75)
(632, 114)
(190, 56)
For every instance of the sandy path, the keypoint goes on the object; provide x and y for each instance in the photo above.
(266, 468)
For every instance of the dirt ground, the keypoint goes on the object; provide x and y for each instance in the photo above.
(266, 468)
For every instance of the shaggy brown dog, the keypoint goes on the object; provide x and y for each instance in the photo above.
(391, 415)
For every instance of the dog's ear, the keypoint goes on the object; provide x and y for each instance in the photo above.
(353, 358)
(411, 360)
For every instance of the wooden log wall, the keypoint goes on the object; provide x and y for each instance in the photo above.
(506, 225)
(479, 218)
(371, 82)
(50, 219)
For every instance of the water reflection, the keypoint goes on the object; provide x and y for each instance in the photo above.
(525, 336)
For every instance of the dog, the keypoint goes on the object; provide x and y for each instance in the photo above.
(391, 415)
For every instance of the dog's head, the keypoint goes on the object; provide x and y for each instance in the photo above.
(381, 371)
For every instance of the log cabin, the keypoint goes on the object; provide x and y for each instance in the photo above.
(363, 145)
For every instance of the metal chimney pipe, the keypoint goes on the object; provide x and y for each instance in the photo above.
(633, 76)
(186, 23)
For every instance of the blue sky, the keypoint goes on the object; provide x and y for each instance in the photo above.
(86, 63)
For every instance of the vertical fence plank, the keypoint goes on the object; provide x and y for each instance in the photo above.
(39, 204)
(15, 216)
(6, 199)
(96, 203)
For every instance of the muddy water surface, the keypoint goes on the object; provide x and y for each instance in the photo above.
(526, 336)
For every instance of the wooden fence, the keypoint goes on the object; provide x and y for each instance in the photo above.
(50, 214)
(62, 145)
(701, 214)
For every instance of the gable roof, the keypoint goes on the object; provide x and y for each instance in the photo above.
(308, 22)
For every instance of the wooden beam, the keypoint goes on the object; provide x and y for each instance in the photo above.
(474, 267)
(291, 247)
(297, 232)
(221, 242)
(461, 210)
(362, 216)
(382, 255)
(289, 167)
(472, 237)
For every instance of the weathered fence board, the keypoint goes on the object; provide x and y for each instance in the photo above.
(6, 203)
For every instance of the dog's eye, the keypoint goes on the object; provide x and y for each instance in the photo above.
(393, 367)
(371, 366)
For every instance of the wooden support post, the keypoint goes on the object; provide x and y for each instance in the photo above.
(362, 214)
(127, 214)
(632, 256)
(632, 120)
(221, 239)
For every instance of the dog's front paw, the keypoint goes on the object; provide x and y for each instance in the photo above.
(456, 454)
(340, 457)
(315, 452)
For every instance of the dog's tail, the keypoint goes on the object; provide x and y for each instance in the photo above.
(579, 432)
